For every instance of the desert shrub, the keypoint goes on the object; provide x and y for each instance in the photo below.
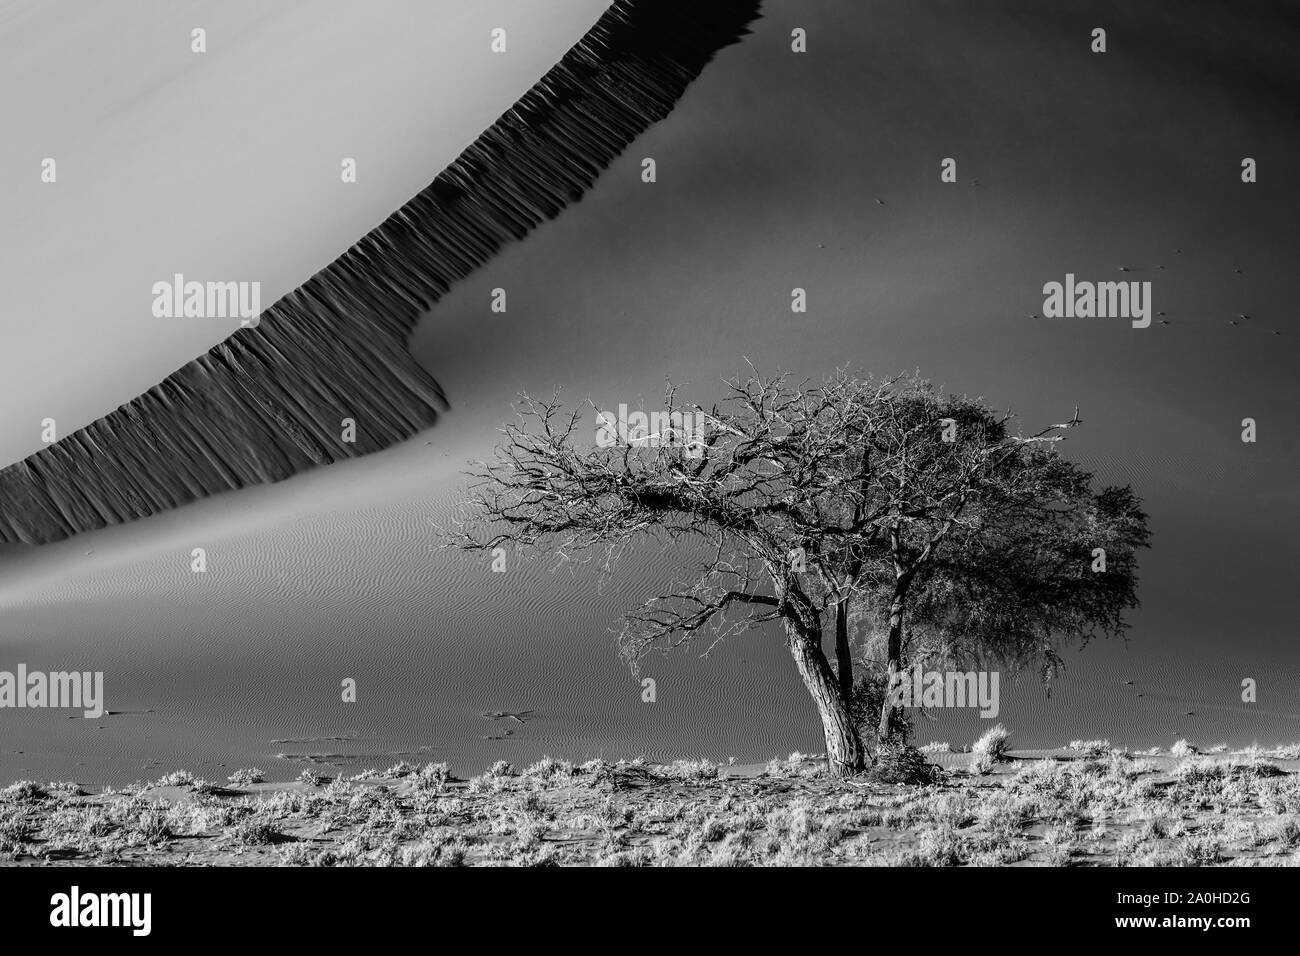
(246, 777)
(979, 765)
(254, 832)
(177, 778)
(1091, 748)
(1281, 794)
(1044, 777)
(1288, 834)
(1200, 850)
(1261, 768)
(993, 744)
(15, 827)
(796, 765)
(22, 791)
(954, 810)
(941, 846)
(150, 826)
(596, 772)
(298, 854)
(311, 778)
(499, 776)
(1003, 814)
(549, 770)
(903, 764)
(640, 856)
(433, 776)
(1200, 772)
(694, 770)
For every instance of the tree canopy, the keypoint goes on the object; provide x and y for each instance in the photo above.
(876, 501)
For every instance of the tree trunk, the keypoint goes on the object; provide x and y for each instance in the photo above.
(844, 751)
(894, 668)
(843, 657)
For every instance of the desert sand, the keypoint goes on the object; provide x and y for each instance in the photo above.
(1092, 807)
(766, 175)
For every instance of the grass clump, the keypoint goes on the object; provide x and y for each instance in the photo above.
(992, 746)
(1091, 748)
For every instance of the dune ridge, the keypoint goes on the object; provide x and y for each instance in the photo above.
(268, 402)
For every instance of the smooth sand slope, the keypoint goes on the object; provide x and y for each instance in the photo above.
(221, 166)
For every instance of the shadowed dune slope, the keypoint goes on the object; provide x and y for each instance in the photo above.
(269, 401)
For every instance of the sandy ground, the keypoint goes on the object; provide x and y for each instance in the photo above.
(1103, 809)
(774, 172)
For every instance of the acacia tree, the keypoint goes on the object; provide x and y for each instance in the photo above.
(809, 505)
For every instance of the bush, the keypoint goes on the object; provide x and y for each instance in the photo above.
(695, 770)
(1091, 748)
(547, 770)
(22, 791)
(796, 765)
(177, 778)
(311, 778)
(901, 764)
(253, 832)
(1200, 850)
(150, 827)
(1289, 834)
(433, 776)
(992, 747)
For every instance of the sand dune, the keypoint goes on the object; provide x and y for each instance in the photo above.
(766, 176)
(307, 584)
(278, 397)
(253, 651)
(222, 166)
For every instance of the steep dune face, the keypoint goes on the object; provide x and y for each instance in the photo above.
(231, 164)
(276, 398)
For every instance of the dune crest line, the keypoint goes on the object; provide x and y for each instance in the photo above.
(267, 402)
